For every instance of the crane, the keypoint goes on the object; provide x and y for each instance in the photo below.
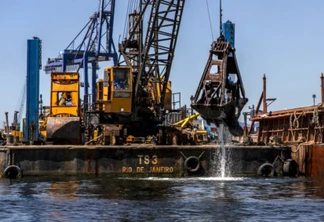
(135, 94)
(96, 45)
(152, 63)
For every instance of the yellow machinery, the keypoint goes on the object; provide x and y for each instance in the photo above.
(188, 133)
(11, 133)
(114, 92)
(114, 103)
(134, 97)
(63, 123)
(123, 117)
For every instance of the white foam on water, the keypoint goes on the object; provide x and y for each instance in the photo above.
(186, 178)
(222, 178)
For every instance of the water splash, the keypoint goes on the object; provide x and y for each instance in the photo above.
(221, 166)
(223, 151)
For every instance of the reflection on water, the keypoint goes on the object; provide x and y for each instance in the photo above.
(64, 189)
(162, 199)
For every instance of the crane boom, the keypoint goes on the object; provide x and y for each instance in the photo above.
(151, 60)
(134, 95)
(160, 43)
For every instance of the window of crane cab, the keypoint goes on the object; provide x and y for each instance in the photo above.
(106, 77)
(64, 99)
(121, 78)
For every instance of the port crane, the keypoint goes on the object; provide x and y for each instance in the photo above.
(93, 44)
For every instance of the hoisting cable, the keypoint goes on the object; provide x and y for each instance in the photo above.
(132, 6)
(126, 18)
(210, 24)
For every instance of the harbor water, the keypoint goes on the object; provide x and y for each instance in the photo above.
(161, 199)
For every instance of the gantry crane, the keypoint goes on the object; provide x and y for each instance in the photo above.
(95, 46)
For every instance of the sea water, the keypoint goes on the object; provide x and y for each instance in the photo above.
(162, 199)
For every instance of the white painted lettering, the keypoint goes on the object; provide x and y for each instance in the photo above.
(155, 159)
(140, 158)
(146, 159)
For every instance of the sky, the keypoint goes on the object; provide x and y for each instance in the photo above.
(282, 39)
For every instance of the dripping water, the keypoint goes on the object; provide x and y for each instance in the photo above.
(222, 157)
(223, 151)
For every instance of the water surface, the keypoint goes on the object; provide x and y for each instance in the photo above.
(162, 199)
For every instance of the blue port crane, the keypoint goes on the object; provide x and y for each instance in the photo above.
(96, 46)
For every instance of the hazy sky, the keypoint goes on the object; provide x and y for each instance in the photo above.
(283, 39)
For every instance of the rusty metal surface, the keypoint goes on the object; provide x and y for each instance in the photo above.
(220, 95)
(315, 161)
(291, 126)
(226, 115)
(310, 159)
(63, 130)
(304, 124)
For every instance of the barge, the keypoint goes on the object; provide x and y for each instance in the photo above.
(119, 127)
(140, 160)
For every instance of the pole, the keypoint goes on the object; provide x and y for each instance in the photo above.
(264, 93)
(7, 123)
(245, 123)
(322, 88)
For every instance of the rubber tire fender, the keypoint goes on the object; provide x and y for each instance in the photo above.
(12, 172)
(192, 164)
(265, 169)
(290, 168)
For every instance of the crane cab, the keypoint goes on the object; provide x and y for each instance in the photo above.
(63, 122)
(114, 91)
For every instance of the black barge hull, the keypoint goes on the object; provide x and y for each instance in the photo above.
(138, 160)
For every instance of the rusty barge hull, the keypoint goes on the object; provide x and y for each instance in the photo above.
(304, 124)
(137, 160)
(310, 159)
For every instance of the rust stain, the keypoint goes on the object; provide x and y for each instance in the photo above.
(310, 159)
(314, 158)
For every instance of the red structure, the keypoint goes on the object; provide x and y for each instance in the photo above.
(291, 126)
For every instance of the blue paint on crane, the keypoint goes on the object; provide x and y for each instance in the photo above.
(228, 29)
(32, 98)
